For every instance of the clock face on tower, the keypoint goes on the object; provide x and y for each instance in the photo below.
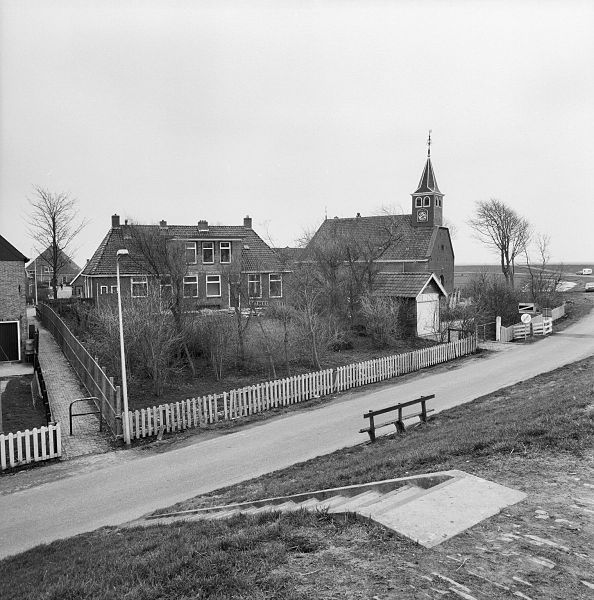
(422, 215)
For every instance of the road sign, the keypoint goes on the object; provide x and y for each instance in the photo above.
(525, 307)
(526, 318)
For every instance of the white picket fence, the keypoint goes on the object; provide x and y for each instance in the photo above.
(32, 445)
(254, 399)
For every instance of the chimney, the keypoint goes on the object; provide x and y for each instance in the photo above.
(162, 223)
(358, 215)
(247, 221)
(115, 221)
(202, 225)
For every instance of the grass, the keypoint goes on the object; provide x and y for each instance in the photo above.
(18, 412)
(536, 435)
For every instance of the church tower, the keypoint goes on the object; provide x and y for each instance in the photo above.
(427, 200)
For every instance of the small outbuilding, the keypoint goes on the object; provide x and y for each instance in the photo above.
(421, 291)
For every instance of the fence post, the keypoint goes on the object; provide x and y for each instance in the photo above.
(497, 329)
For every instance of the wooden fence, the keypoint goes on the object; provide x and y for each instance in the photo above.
(87, 368)
(35, 445)
(253, 399)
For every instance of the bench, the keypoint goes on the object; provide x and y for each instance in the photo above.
(399, 422)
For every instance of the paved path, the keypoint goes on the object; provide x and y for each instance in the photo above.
(127, 490)
(63, 386)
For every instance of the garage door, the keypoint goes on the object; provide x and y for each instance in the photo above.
(9, 340)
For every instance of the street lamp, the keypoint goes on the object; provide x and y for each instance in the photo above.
(126, 421)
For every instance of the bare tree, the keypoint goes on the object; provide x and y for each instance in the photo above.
(543, 279)
(159, 255)
(500, 227)
(53, 225)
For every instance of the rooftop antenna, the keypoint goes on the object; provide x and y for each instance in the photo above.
(429, 145)
(325, 213)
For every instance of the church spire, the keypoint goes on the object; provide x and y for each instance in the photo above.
(427, 198)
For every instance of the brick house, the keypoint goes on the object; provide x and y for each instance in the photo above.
(224, 265)
(405, 251)
(13, 305)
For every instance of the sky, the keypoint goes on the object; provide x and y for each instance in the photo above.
(290, 111)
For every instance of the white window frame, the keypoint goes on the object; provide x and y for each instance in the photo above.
(280, 280)
(114, 289)
(224, 246)
(418, 202)
(192, 247)
(213, 279)
(208, 246)
(163, 286)
(103, 289)
(139, 280)
(252, 280)
(187, 281)
(426, 202)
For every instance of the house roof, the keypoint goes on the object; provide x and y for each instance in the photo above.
(69, 265)
(256, 255)
(9, 253)
(405, 241)
(428, 182)
(405, 285)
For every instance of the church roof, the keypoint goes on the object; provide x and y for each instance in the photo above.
(428, 182)
(395, 233)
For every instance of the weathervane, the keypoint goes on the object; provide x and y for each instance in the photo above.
(429, 145)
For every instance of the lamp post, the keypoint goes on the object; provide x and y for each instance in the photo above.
(126, 422)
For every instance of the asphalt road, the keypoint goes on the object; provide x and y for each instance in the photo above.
(109, 494)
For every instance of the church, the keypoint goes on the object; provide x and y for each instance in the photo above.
(411, 255)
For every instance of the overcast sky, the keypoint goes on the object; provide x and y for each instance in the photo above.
(286, 111)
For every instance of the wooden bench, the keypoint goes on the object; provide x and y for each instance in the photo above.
(399, 422)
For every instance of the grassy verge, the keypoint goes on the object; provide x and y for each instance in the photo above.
(18, 412)
(536, 436)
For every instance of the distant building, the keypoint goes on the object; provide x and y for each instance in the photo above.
(40, 275)
(13, 305)
(225, 265)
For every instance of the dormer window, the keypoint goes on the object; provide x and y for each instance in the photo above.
(190, 253)
(426, 201)
(418, 202)
(208, 252)
(225, 249)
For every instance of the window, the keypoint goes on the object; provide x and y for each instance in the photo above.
(103, 289)
(166, 291)
(191, 286)
(114, 289)
(418, 202)
(139, 287)
(275, 285)
(254, 286)
(208, 252)
(190, 253)
(213, 286)
(426, 201)
(225, 248)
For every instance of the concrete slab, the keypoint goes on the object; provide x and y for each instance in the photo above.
(15, 369)
(448, 510)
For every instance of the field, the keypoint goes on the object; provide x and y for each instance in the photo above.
(536, 436)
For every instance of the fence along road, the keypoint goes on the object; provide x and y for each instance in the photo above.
(116, 494)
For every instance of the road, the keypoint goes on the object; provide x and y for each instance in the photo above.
(115, 493)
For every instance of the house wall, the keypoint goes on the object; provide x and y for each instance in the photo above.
(201, 301)
(13, 289)
(441, 261)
